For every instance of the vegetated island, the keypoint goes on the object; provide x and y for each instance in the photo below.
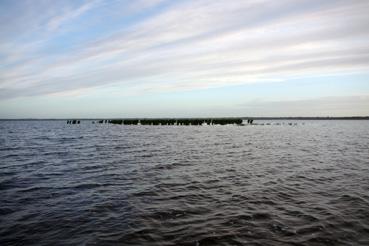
(180, 121)
(208, 121)
(243, 118)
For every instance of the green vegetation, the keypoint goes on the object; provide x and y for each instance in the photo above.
(130, 122)
(225, 121)
(120, 122)
(146, 122)
(181, 121)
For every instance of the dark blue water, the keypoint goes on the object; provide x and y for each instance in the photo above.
(100, 184)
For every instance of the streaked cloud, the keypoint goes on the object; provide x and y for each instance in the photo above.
(55, 22)
(58, 47)
(320, 106)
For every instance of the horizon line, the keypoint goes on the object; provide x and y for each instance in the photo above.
(242, 117)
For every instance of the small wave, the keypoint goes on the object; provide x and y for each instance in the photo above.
(261, 216)
(87, 186)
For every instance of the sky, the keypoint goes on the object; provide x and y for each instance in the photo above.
(183, 58)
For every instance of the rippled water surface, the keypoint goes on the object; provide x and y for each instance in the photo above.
(100, 184)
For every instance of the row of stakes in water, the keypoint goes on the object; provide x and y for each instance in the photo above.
(73, 122)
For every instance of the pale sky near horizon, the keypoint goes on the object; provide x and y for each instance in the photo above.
(183, 58)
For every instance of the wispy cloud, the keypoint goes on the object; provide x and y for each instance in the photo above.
(320, 106)
(55, 22)
(179, 45)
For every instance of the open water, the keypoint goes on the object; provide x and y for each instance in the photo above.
(100, 184)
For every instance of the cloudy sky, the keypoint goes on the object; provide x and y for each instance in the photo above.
(183, 58)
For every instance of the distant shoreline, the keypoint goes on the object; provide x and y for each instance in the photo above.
(244, 118)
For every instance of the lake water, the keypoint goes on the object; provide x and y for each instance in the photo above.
(101, 184)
